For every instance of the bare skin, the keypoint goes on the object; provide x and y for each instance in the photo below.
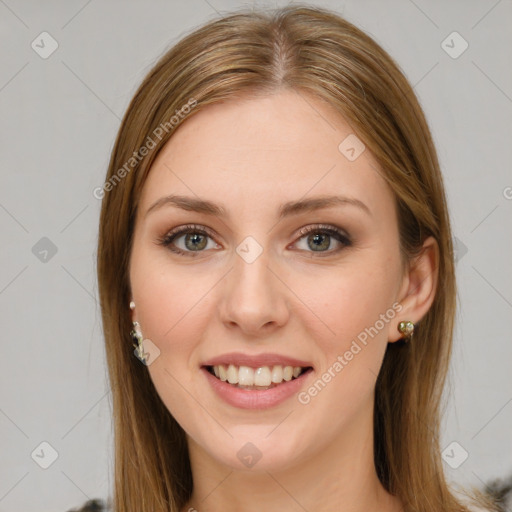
(296, 298)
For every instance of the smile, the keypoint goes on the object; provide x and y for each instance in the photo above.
(255, 396)
(261, 378)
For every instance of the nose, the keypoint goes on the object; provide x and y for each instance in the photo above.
(254, 298)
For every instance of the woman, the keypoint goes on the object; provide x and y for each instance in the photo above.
(274, 235)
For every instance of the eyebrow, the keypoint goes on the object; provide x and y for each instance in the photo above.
(287, 209)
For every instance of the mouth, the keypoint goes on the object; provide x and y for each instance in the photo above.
(256, 379)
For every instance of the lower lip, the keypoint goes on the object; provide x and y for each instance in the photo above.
(255, 399)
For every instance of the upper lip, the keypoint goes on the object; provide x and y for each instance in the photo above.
(255, 361)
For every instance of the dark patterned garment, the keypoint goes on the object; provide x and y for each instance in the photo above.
(92, 506)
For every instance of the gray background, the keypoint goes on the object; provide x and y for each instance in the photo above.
(59, 119)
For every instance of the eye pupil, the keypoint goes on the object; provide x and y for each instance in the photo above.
(317, 240)
(195, 238)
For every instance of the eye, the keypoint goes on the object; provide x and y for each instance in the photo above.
(319, 238)
(195, 239)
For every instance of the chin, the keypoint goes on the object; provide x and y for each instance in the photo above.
(257, 451)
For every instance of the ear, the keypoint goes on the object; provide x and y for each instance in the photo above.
(418, 289)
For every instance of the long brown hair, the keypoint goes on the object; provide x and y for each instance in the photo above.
(311, 50)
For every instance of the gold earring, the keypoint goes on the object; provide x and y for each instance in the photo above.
(407, 329)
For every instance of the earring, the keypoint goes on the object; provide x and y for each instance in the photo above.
(137, 337)
(138, 342)
(407, 329)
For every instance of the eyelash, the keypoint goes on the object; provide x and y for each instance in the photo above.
(325, 229)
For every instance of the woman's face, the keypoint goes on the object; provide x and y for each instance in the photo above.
(250, 288)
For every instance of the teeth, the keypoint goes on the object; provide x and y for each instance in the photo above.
(264, 376)
(245, 376)
(277, 374)
(232, 374)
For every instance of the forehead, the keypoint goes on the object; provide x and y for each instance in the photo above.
(266, 149)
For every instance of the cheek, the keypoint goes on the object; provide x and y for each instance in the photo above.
(170, 310)
(166, 300)
(349, 299)
(357, 306)
(176, 305)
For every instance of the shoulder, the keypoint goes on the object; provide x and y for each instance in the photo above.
(92, 506)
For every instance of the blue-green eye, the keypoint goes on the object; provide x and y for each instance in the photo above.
(318, 238)
(195, 239)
